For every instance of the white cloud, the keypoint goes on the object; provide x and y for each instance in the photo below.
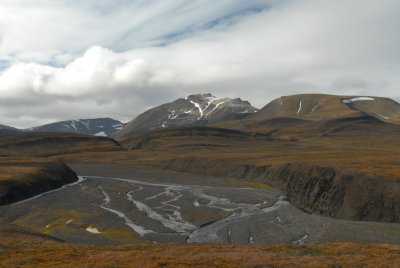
(42, 30)
(342, 47)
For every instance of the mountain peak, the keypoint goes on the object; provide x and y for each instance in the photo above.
(201, 96)
(197, 109)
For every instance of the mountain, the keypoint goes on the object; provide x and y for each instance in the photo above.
(7, 129)
(98, 126)
(318, 115)
(324, 107)
(199, 110)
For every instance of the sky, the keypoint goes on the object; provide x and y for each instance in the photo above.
(71, 59)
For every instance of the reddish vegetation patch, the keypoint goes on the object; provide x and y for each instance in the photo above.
(27, 250)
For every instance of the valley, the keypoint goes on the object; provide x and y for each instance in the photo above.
(107, 211)
(304, 178)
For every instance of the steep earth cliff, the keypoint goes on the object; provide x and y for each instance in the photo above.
(322, 190)
(21, 180)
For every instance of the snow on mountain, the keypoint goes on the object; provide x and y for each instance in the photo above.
(357, 99)
(98, 126)
(199, 109)
(321, 107)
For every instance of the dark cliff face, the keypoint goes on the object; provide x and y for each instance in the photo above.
(321, 190)
(50, 176)
(331, 192)
(315, 190)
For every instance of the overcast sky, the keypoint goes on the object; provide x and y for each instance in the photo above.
(70, 59)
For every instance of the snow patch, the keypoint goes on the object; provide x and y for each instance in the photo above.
(210, 101)
(69, 221)
(298, 111)
(301, 240)
(357, 99)
(216, 106)
(384, 117)
(314, 108)
(198, 107)
(73, 124)
(251, 240)
(93, 230)
(101, 134)
(173, 115)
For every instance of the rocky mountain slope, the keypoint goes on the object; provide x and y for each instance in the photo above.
(200, 110)
(98, 126)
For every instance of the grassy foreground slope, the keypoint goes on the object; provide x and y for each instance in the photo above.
(23, 248)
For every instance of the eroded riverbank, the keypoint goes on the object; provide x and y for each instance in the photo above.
(154, 206)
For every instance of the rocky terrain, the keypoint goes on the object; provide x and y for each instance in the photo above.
(97, 127)
(199, 110)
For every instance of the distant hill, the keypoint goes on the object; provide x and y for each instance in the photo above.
(305, 112)
(324, 107)
(198, 110)
(53, 143)
(7, 129)
(98, 126)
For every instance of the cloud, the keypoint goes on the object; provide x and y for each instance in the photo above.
(42, 30)
(254, 51)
